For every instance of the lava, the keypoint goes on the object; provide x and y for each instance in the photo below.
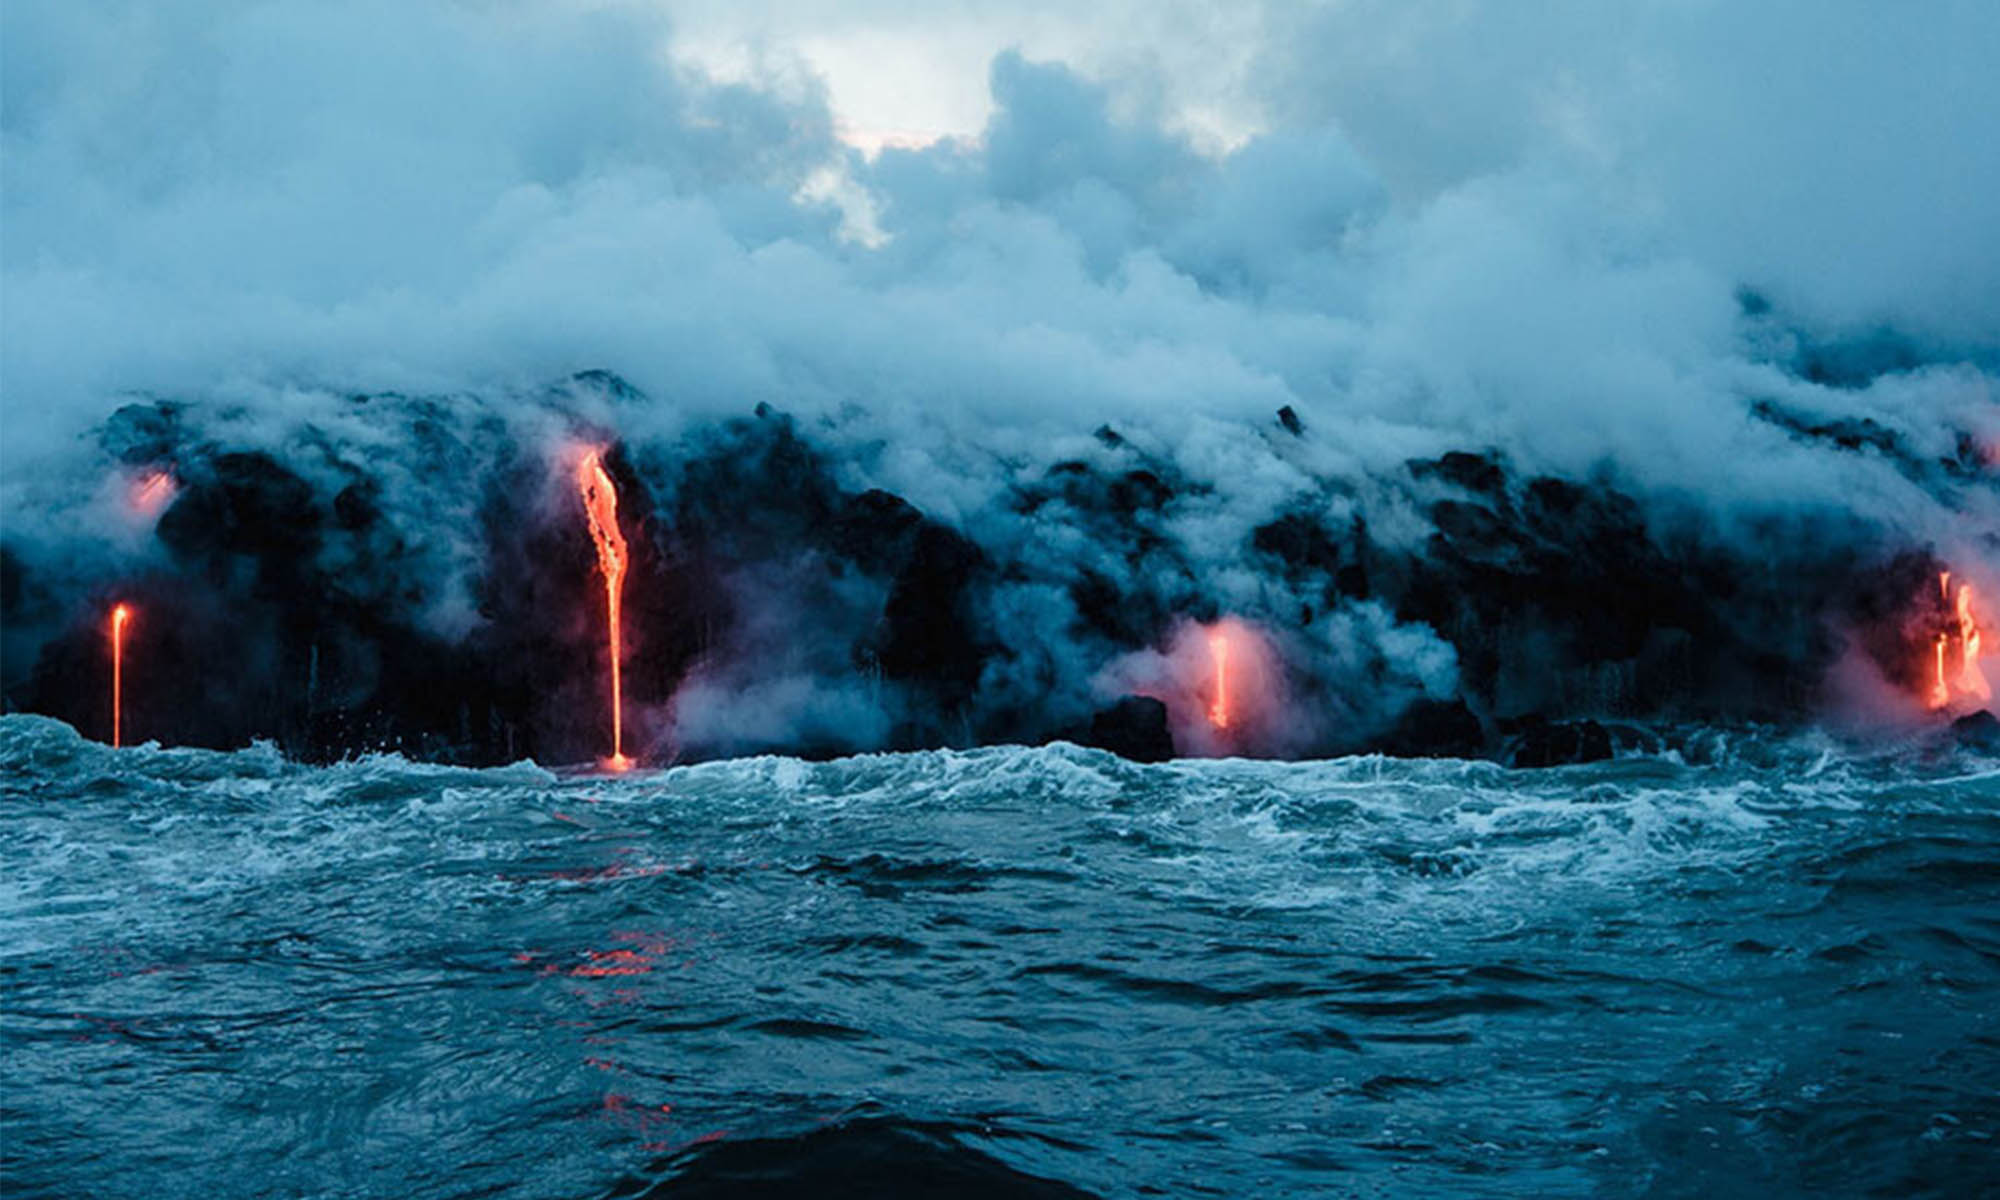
(151, 493)
(600, 505)
(120, 617)
(1940, 690)
(1969, 680)
(1218, 653)
(1222, 683)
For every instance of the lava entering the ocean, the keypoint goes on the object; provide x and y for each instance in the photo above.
(1233, 701)
(1969, 681)
(1223, 685)
(120, 617)
(1940, 690)
(600, 505)
(1218, 653)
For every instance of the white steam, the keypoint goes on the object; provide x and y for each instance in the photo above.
(1420, 227)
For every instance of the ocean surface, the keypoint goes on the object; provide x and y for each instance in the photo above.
(1763, 967)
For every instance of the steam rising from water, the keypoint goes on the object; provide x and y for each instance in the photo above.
(1126, 976)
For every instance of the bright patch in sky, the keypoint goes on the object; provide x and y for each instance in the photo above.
(906, 79)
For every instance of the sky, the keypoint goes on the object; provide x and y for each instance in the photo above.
(904, 74)
(1455, 221)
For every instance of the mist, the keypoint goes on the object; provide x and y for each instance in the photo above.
(1691, 313)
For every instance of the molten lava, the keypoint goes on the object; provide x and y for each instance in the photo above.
(120, 617)
(1223, 685)
(1940, 690)
(1969, 681)
(600, 505)
(152, 492)
(1218, 653)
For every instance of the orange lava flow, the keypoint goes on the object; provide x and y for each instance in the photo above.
(120, 617)
(1971, 680)
(600, 504)
(1940, 690)
(152, 492)
(1218, 653)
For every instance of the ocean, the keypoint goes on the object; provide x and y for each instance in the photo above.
(1762, 966)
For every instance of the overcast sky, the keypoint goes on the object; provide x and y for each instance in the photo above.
(915, 72)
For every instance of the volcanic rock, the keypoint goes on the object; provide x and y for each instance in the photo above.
(142, 433)
(1545, 743)
(1436, 729)
(873, 1158)
(931, 636)
(1482, 474)
(1134, 728)
(244, 503)
(1978, 731)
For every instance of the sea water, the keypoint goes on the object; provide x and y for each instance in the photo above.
(1760, 967)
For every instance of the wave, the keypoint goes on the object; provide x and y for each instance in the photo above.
(857, 1159)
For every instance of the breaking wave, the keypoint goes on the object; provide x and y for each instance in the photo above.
(998, 967)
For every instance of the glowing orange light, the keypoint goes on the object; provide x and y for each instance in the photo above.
(1940, 690)
(120, 617)
(600, 505)
(605, 964)
(151, 492)
(1218, 653)
(1971, 680)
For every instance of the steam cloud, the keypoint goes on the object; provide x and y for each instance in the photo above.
(952, 443)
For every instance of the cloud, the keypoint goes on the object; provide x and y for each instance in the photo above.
(1822, 151)
(1605, 247)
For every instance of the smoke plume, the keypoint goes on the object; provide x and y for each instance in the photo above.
(1493, 370)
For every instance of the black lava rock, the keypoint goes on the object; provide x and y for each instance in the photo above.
(1436, 729)
(876, 529)
(142, 433)
(931, 635)
(879, 1158)
(1134, 728)
(1482, 474)
(1978, 731)
(1543, 743)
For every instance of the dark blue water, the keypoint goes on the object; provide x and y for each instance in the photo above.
(1006, 972)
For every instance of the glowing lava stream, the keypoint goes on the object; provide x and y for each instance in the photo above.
(1971, 679)
(600, 504)
(120, 617)
(1940, 691)
(1218, 652)
(151, 493)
